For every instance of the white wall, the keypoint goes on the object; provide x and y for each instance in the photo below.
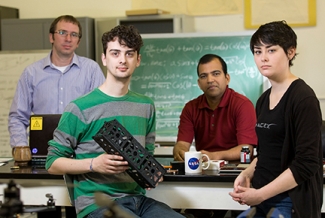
(77, 8)
(311, 47)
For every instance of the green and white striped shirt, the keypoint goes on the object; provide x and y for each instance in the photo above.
(80, 121)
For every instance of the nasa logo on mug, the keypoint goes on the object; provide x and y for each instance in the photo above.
(193, 163)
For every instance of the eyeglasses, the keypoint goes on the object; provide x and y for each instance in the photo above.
(65, 33)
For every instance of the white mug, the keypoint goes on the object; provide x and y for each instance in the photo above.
(214, 165)
(193, 162)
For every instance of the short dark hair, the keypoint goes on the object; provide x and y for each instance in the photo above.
(209, 57)
(275, 33)
(66, 18)
(127, 35)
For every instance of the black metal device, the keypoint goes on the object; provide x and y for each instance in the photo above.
(144, 168)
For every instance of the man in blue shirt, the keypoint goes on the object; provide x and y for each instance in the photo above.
(48, 85)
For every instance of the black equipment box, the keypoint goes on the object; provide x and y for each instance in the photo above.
(144, 168)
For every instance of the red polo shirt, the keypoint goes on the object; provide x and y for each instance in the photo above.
(230, 124)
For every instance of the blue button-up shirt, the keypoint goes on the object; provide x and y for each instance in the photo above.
(43, 89)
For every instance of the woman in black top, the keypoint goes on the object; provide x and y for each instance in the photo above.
(287, 173)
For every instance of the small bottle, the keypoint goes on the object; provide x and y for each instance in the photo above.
(245, 155)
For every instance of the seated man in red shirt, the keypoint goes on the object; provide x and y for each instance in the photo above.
(221, 120)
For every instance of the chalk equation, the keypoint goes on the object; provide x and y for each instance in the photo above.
(184, 85)
(151, 50)
(167, 124)
(160, 77)
(165, 100)
(165, 114)
(165, 69)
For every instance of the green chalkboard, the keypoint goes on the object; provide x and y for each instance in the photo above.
(168, 75)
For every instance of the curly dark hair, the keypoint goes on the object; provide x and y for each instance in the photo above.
(126, 35)
(275, 33)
